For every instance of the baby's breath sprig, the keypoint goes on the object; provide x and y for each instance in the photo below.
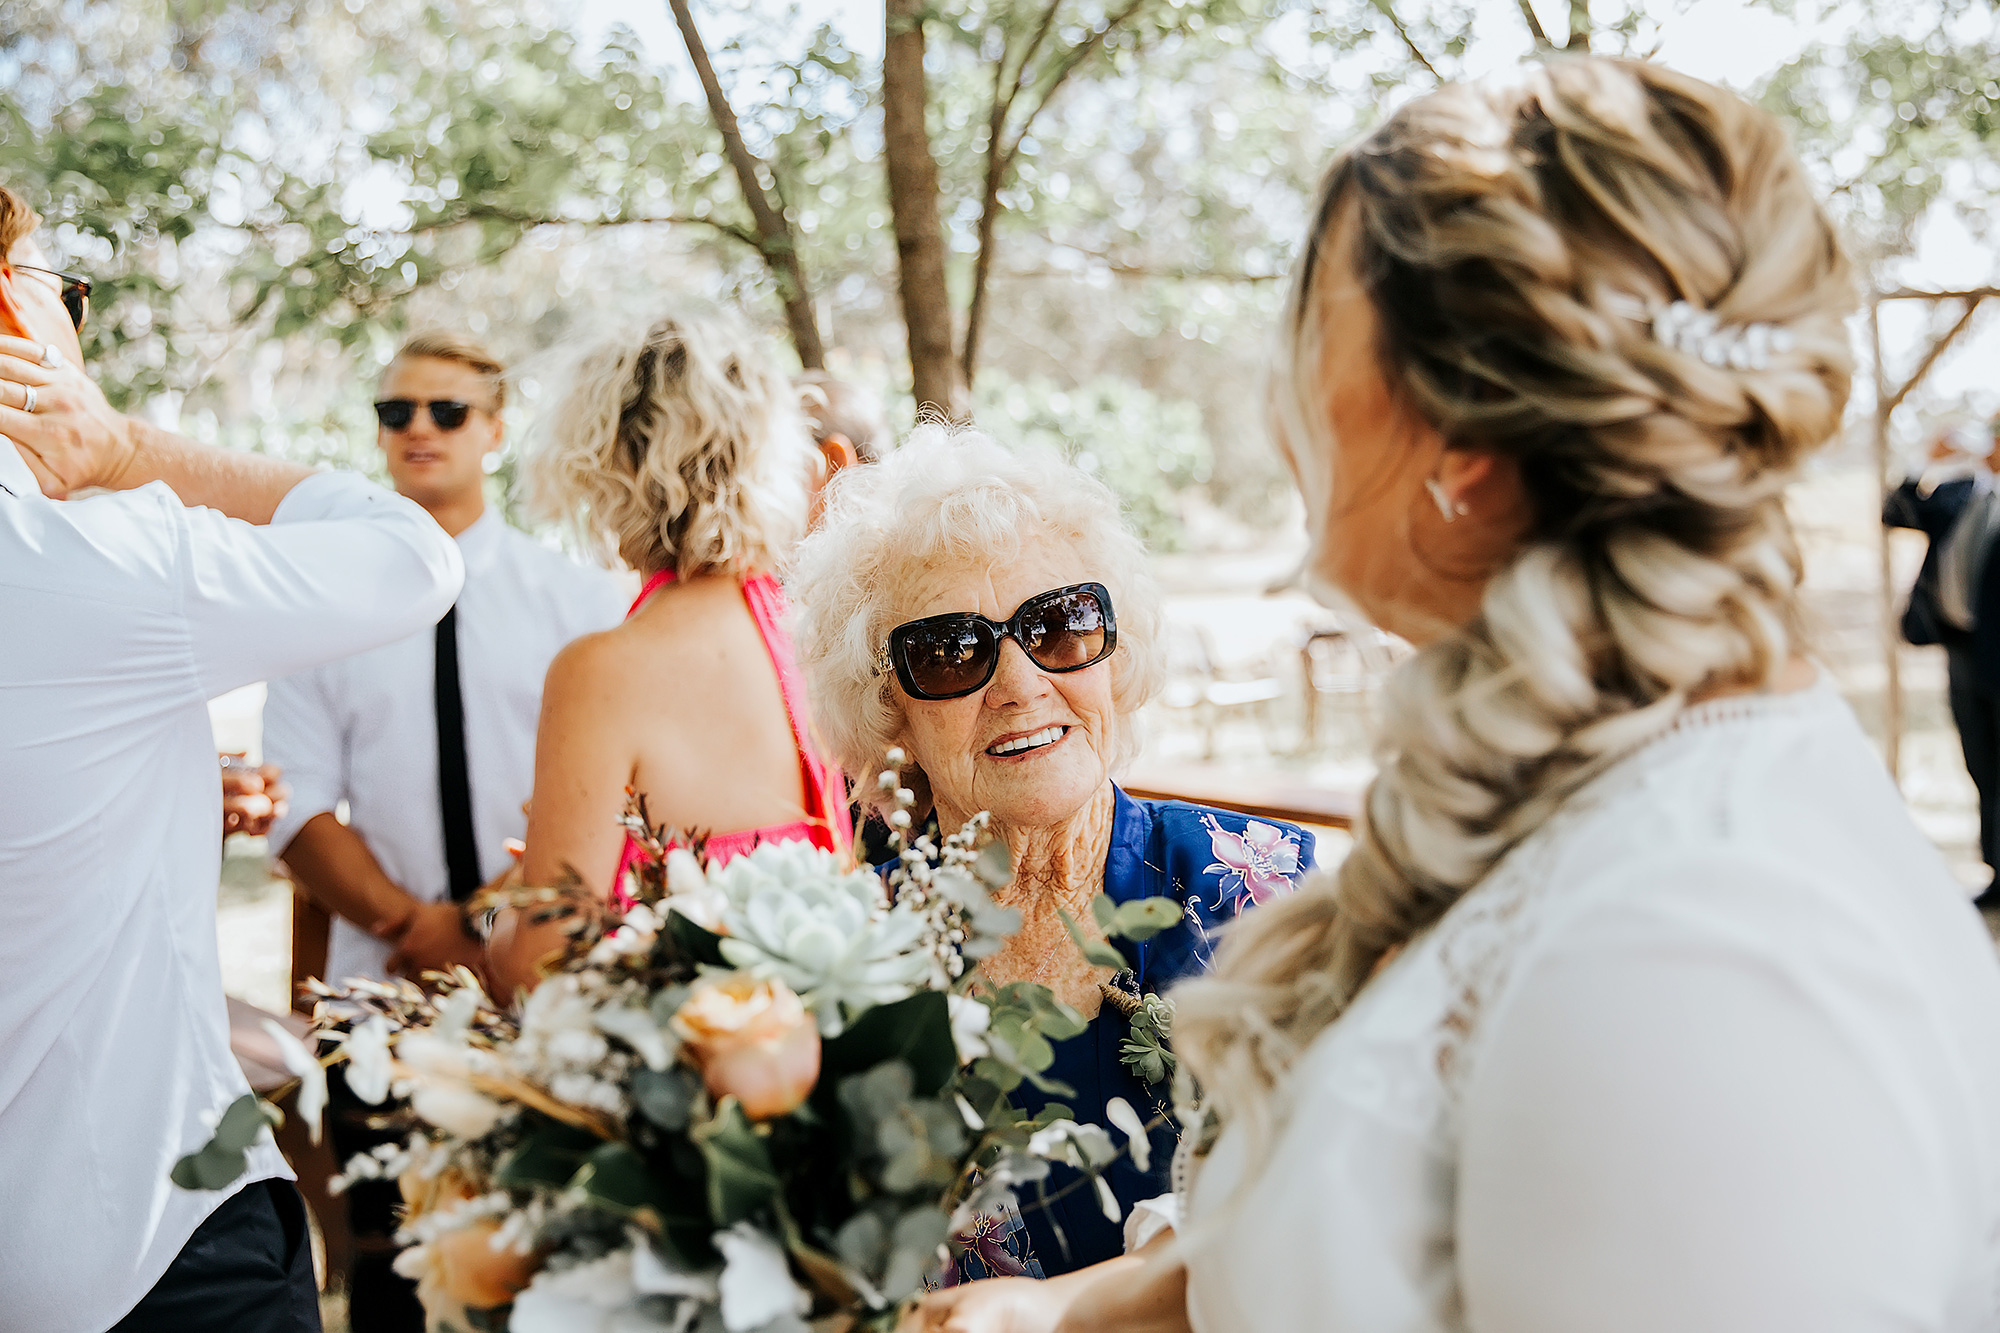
(948, 882)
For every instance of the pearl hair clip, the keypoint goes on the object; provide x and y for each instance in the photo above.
(1696, 332)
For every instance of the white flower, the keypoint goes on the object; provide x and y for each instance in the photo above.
(367, 1050)
(689, 892)
(757, 1286)
(456, 1109)
(559, 1029)
(594, 1297)
(299, 1063)
(655, 1276)
(969, 1021)
(1120, 1113)
(1085, 1147)
(457, 1010)
(636, 1028)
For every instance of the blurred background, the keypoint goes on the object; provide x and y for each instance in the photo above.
(269, 194)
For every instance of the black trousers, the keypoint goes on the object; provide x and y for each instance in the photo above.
(1975, 707)
(247, 1269)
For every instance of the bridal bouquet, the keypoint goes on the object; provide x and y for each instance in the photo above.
(766, 1093)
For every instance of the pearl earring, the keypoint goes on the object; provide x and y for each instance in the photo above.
(1452, 510)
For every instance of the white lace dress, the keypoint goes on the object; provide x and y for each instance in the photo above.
(1717, 1050)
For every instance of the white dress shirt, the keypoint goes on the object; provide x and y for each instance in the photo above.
(364, 730)
(1716, 1049)
(120, 616)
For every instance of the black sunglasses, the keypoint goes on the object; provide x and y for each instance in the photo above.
(950, 656)
(75, 292)
(398, 413)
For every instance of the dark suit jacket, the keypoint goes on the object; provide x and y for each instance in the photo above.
(1935, 515)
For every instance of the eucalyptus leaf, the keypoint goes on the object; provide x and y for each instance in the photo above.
(1096, 952)
(218, 1163)
(741, 1179)
(665, 1096)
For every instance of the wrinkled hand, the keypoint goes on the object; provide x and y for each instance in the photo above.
(251, 798)
(435, 939)
(995, 1305)
(74, 438)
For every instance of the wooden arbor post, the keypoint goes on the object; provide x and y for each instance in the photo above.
(1887, 399)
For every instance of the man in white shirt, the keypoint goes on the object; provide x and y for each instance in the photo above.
(430, 741)
(123, 614)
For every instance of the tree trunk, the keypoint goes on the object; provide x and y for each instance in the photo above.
(774, 231)
(913, 203)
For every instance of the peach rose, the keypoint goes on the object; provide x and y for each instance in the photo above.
(475, 1274)
(752, 1040)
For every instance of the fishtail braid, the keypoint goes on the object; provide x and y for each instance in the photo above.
(1516, 242)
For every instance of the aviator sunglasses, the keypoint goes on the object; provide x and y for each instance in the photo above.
(952, 655)
(398, 413)
(75, 292)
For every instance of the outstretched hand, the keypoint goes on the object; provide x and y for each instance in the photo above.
(994, 1305)
(74, 438)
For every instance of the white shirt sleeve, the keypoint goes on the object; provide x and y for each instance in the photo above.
(1676, 1125)
(344, 566)
(305, 734)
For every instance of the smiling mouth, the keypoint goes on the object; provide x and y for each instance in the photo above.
(422, 456)
(1039, 740)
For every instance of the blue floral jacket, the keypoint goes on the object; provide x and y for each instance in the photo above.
(1217, 864)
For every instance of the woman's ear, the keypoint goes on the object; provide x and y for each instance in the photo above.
(837, 451)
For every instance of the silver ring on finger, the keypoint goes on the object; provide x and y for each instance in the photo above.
(51, 359)
(28, 397)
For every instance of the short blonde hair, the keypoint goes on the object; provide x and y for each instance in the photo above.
(17, 221)
(952, 498)
(680, 448)
(445, 345)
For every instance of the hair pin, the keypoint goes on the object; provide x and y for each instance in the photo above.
(1689, 329)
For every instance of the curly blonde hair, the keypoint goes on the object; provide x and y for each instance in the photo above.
(679, 448)
(1505, 234)
(952, 498)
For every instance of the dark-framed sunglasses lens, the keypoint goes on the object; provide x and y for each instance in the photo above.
(448, 415)
(395, 413)
(1065, 632)
(76, 300)
(949, 659)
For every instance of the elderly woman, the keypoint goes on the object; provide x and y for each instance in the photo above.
(990, 614)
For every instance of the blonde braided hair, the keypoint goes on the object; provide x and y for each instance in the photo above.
(1506, 235)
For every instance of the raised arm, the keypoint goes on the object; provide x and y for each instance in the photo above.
(75, 440)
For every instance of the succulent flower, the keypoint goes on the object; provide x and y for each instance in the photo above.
(797, 915)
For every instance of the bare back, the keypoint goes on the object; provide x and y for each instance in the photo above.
(682, 704)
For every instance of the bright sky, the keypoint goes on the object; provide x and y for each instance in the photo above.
(1728, 41)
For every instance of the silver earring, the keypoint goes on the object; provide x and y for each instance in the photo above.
(1452, 511)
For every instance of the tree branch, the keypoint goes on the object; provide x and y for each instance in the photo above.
(1001, 152)
(1388, 11)
(525, 221)
(1534, 24)
(774, 229)
(1579, 26)
(1937, 349)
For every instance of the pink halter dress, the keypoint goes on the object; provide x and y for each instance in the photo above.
(826, 823)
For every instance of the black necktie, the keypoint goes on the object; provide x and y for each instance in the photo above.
(461, 849)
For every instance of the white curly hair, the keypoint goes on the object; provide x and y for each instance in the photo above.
(953, 498)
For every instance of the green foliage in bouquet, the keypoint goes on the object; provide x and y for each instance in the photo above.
(758, 1093)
